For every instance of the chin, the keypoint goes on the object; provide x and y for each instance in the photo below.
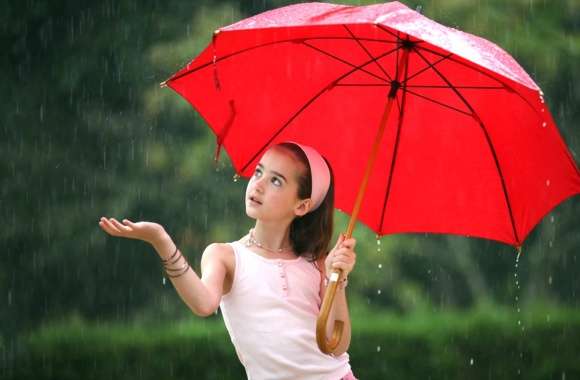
(251, 213)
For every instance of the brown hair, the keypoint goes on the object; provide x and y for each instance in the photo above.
(310, 234)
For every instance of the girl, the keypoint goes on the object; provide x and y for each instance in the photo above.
(270, 283)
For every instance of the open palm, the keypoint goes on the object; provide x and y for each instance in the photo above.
(146, 231)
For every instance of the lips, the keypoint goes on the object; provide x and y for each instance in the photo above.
(254, 200)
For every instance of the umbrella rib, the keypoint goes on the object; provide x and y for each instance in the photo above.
(367, 51)
(488, 140)
(294, 40)
(461, 87)
(363, 85)
(437, 102)
(401, 107)
(308, 103)
(427, 68)
(505, 85)
(344, 61)
(388, 31)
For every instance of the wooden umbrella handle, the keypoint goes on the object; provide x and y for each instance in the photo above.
(328, 346)
(325, 345)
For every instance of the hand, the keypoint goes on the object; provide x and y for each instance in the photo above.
(342, 256)
(150, 232)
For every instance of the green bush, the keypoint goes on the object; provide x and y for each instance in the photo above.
(477, 345)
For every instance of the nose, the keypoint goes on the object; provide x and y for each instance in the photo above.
(259, 185)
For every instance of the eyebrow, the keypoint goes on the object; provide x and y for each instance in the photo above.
(275, 172)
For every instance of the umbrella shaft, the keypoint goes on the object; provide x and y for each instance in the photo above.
(395, 85)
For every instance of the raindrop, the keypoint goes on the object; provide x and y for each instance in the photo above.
(163, 281)
(380, 266)
(379, 291)
(550, 280)
(378, 244)
(236, 177)
(552, 219)
(378, 348)
(550, 244)
(471, 361)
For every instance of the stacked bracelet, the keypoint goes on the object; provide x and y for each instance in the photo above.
(175, 272)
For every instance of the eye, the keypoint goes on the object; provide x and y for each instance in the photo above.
(276, 181)
(258, 173)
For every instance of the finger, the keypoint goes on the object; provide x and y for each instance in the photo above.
(346, 252)
(342, 266)
(339, 241)
(108, 227)
(119, 226)
(129, 223)
(349, 243)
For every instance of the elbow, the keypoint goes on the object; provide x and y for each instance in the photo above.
(204, 311)
(201, 313)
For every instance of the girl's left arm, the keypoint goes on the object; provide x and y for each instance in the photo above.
(341, 257)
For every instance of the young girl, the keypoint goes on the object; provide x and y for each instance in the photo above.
(270, 283)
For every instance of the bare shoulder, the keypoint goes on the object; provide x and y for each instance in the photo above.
(220, 252)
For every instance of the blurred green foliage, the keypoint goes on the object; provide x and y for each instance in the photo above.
(480, 344)
(87, 132)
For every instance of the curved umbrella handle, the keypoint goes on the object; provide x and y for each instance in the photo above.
(328, 346)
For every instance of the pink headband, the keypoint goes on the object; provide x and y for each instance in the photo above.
(319, 173)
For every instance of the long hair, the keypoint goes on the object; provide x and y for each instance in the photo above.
(310, 234)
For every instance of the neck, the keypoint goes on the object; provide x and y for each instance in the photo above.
(272, 235)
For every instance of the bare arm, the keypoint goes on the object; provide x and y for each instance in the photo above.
(201, 295)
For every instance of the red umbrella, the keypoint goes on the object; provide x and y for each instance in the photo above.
(463, 140)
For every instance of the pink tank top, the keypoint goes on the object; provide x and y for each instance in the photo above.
(270, 313)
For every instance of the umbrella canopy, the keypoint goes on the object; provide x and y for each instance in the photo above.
(470, 147)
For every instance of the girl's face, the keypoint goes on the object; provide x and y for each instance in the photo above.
(272, 193)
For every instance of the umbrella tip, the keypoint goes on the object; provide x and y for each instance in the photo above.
(163, 84)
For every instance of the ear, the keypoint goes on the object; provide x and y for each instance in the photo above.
(302, 207)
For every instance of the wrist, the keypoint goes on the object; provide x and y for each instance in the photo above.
(164, 245)
(341, 282)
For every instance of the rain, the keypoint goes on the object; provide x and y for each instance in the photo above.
(87, 131)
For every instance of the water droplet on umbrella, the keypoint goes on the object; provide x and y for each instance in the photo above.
(544, 124)
(547, 182)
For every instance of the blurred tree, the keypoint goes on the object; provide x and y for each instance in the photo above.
(86, 132)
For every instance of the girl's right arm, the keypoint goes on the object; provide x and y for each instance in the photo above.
(201, 295)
